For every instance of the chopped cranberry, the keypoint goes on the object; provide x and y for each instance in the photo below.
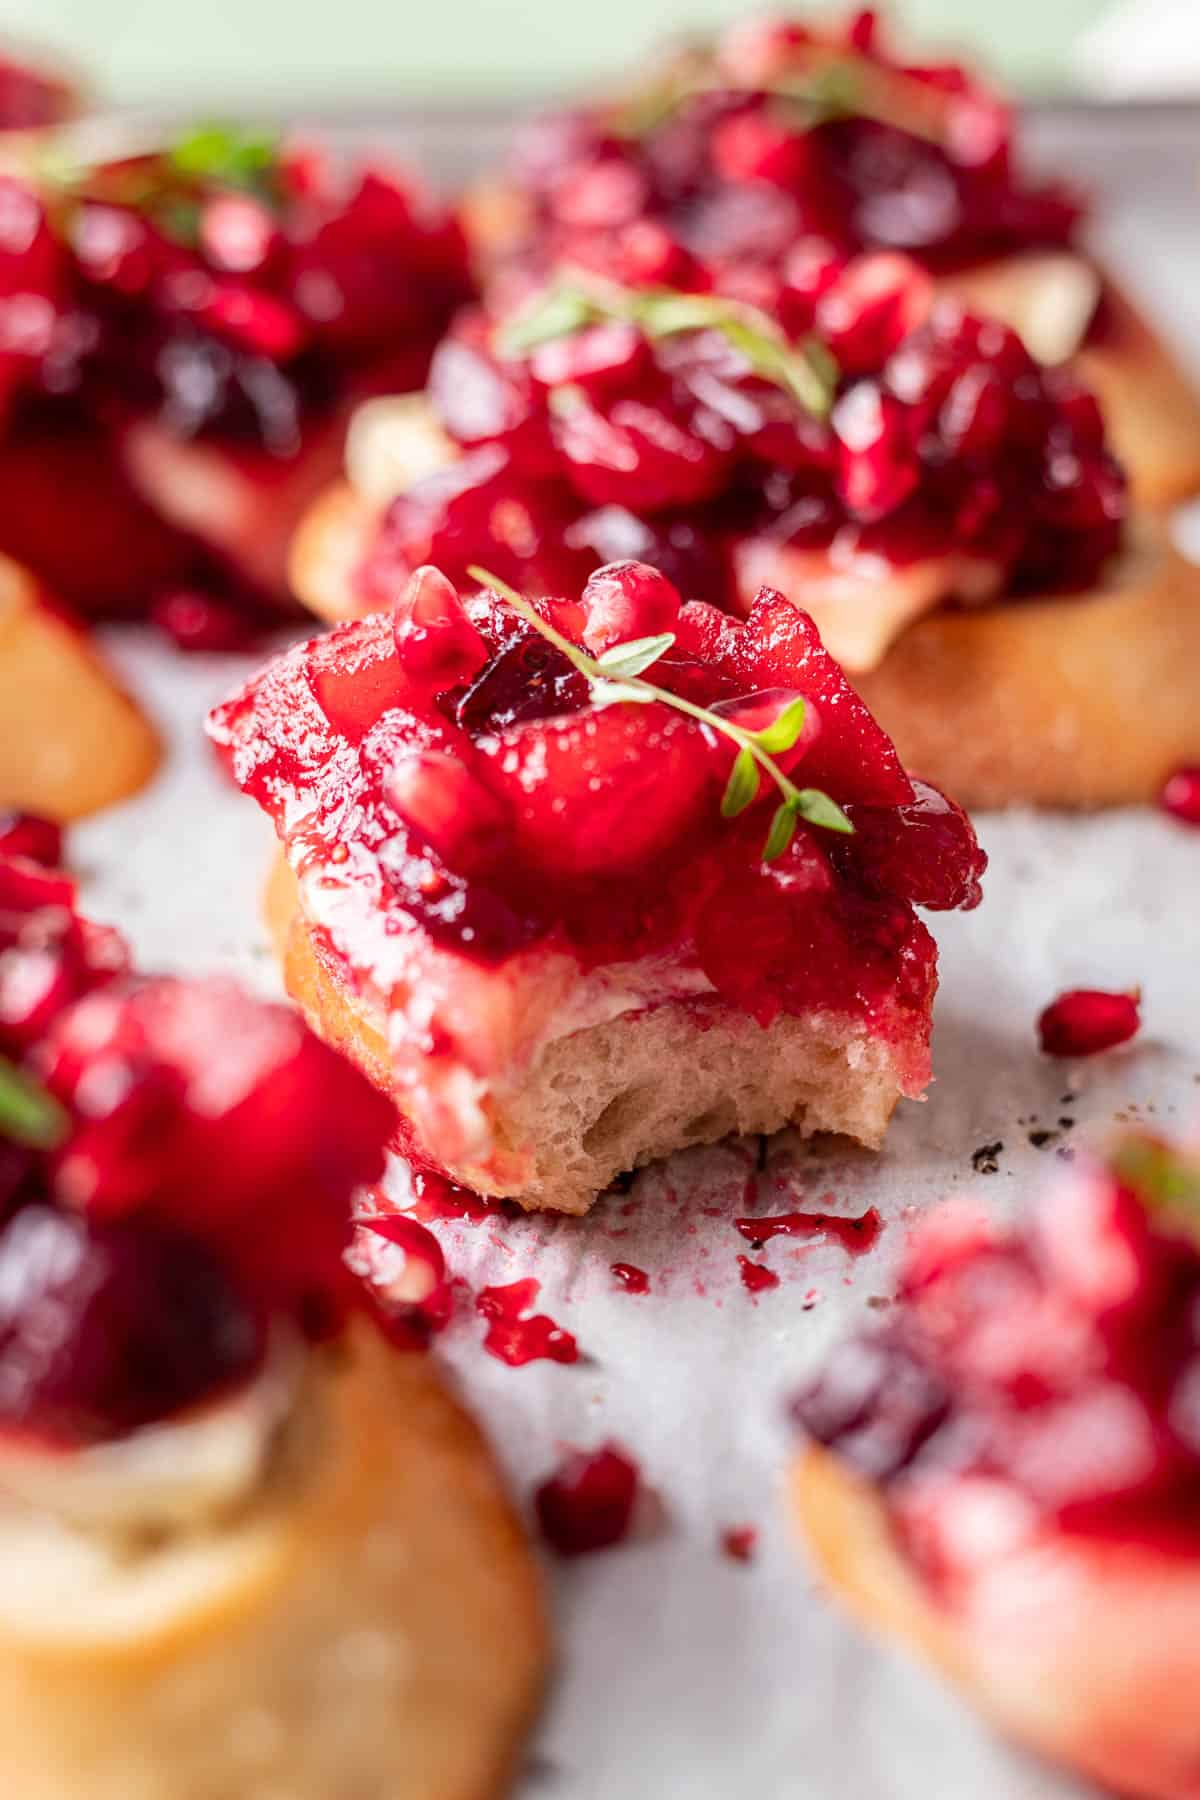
(450, 808)
(925, 851)
(108, 1327)
(756, 1277)
(873, 305)
(29, 835)
(877, 468)
(588, 1503)
(514, 1335)
(753, 146)
(1181, 795)
(1085, 1021)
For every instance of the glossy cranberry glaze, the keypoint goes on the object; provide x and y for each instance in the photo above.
(1062, 1363)
(587, 1504)
(105, 1327)
(229, 286)
(942, 438)
(778, 130)
(454, 777)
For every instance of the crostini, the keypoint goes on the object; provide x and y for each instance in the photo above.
(1006, 1477)
(546, 889)
(248, 1542)
(784, 136)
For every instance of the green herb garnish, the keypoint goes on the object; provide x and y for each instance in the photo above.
(227, 156)
(1166, 1179)
(804, 370)
(615, 677)
(28, 1114)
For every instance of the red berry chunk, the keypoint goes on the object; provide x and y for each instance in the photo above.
(1085, 1021)
(28, 835)
(588, 1503)
(220, 1115)
(146, 1322)
(1181, 795)
(49, 956)
(624, 601)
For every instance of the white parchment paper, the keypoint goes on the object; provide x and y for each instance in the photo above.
(682, 1673)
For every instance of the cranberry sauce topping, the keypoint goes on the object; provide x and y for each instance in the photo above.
(445, 768)
(777, 130)
(177, 1161)
(849, 417)
(222, 1115)
(105, 1327)
(1062, 1362)
(225, 283)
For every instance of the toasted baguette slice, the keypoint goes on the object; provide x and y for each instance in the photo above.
(371, 1626)
(71, 741)
(1087, 1651)
(1151, 404)
(612, 1097)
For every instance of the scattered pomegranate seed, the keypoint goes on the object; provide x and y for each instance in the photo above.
(1181, 795)
(630, 1277)
(756, 1277)
(29, 835)
(739, 1542)
(1085, 1021)
(587, 1504)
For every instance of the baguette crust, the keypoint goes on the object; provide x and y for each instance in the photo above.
(373, 1629)
(71, 740)
(1086, 1651)
(615, 1096)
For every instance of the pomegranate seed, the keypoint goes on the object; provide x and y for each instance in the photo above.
(29, 835)
(588, 1503)
(237, 233)
(627, 600)
(739, 1542)
(1181, 795)
(254, 320)
(1085, 1021)
(751, 146)
(411, 1271)
(450, 808)
(200, 622)
(630, 1277)
(435, 639)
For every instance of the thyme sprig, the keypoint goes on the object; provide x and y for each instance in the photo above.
(616, 676)
(1165, 1178)
(28, 1114)
(805, 370)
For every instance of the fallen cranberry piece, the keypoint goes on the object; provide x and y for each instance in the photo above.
(756, 1277)
(108, 1327)
(1085, 1021)
(854, 1234)
(739, 1542)
(630, 1277)
(1181, 795)
(587, 1504)
(29, 835)
(200, 622)
(515, 1339)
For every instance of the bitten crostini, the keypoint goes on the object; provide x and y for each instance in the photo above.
(584, 881)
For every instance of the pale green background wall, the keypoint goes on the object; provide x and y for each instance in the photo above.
(150, 50)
